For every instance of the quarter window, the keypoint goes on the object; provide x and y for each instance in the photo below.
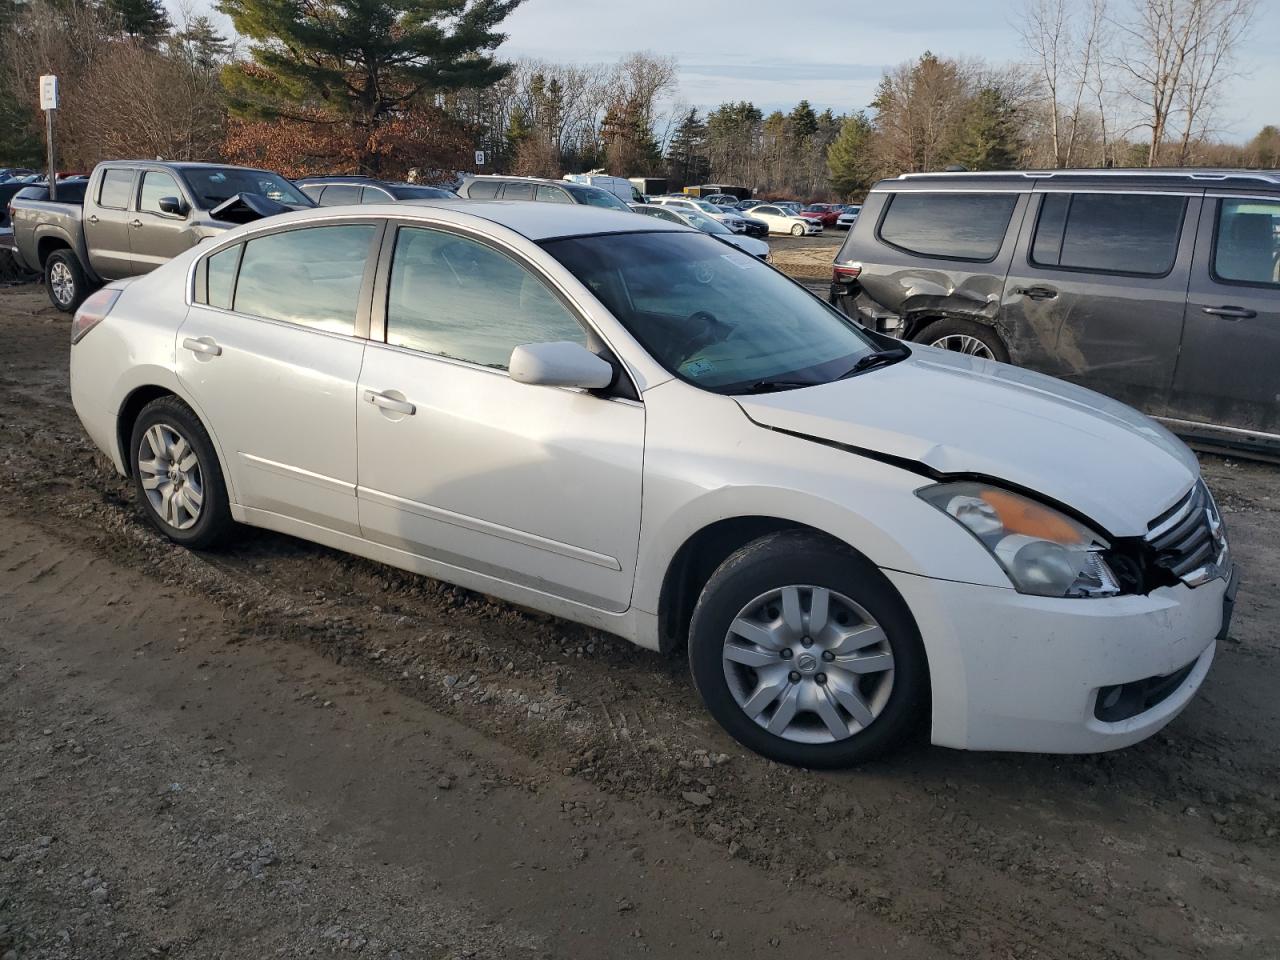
(1247, 247)
(114, 192)
(339, 194)
(1109, 232)
(220, 271)
(156, 185)
(482, 190)
(311, 277)
(958, 226)
(553, 195)
(459, 298)
(518, 191)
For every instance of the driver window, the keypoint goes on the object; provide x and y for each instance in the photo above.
(462, 299)
(156, 185)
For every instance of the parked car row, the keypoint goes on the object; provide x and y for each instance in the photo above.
(1160, 288)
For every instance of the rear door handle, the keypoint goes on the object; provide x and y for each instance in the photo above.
(202, 345)
(135, 223)
(93, 218)
(1035, 293)
(1231, 313)
(390, 403)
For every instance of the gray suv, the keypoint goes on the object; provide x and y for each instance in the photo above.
(487, 187)
(1160, 288)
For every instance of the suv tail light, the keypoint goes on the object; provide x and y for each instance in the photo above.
(92, 312)
(846, 272)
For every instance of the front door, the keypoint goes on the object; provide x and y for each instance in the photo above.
(156, 236)
(272, 355)
(1096, 289)
(1228, 374)
(536, 486)
(107, 224)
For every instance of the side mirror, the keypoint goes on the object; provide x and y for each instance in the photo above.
(563, 364)
(173, 206)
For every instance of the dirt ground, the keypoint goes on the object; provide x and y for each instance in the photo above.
(277, 750)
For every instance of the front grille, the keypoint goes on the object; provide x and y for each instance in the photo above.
(1187, 539)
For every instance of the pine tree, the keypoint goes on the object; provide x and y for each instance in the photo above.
(850, 158)
(144, 20)
(201, 44)
(988, 139)
(360, 63)
(804, 122)
(687, 152)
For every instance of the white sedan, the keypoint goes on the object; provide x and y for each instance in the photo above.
(692, 218)
(734, 221)
(628, 424)
(782, 220)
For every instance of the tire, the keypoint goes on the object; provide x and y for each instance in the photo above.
(964, 336)
(869, 629)
(64, 280)
(797, 230)
(190, 509)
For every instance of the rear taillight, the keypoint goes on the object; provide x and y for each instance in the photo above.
(92, 312)
(846, 272)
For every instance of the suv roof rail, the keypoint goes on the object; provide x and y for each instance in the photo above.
(1184, 173)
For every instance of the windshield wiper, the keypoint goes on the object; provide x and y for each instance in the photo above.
(772, 386)
(880, 358)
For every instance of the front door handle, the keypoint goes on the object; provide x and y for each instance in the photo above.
(1035, 293)
(1231, 313)
(394, 404)
(93, 218)
(202, 345)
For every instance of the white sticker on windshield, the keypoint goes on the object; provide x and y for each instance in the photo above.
(739, 261)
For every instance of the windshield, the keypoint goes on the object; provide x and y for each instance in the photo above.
(713, 315)
(705, 224)
(213, 185)
(595, 197)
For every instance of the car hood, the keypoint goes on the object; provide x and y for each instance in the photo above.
(955, 414)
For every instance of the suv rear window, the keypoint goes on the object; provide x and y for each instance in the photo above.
(1109, 232)
(957, 226)
(482, 190)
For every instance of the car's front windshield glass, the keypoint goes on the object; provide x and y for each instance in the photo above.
(706, 224)
(213, 185)
(595, 197)
(713, 315)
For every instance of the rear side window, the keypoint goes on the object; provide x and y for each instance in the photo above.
(518, 191)
(1247, 246)
(377, 195)
(957, 226)
(310, 277)
(1108, 232)
(114, 192)
(340, 194)
(552, 195)
(482, 190)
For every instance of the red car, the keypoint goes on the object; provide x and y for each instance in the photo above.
(824, 212)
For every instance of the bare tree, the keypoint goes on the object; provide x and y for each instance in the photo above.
(1172, 57)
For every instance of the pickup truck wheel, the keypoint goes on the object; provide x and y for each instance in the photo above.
(65, 281)
(964, 336)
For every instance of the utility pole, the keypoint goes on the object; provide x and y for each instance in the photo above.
(49, 104)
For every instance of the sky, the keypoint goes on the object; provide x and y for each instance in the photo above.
(830, 52)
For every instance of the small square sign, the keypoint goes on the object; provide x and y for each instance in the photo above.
(49, 92)
(479, 158)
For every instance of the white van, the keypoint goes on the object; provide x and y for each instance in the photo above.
(620, 187)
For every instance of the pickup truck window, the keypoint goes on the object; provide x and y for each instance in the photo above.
(114, 191)
(157, 184)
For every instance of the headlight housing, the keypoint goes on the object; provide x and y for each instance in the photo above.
(1044, 552)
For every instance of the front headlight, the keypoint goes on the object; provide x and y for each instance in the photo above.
(1043, 551)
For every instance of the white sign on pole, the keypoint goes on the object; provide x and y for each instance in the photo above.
(479, 158)
(49, 92)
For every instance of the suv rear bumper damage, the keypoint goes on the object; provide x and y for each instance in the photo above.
(1018, 672)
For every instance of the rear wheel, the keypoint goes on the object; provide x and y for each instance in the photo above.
(964, 336)
(805, 653)
(64, 281)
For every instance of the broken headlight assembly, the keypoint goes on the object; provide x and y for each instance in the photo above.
(1044, 552)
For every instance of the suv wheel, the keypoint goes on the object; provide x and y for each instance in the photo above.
(64, 281)
(176, 475)
(805, 653)
(964, 336)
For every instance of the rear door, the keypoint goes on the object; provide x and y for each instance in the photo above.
(1227, 373)
(156, 236)
(1096, 290)
(107, 223)
(271, 352)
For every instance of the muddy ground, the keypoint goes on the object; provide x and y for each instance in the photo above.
(279, 750)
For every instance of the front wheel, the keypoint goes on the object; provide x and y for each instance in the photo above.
(64, 280)
(804, 652)
(797, 230)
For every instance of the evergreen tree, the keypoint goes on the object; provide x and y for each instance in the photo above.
(988, 138)
(851, 157)
(804, 122)
(201, 45)
(687, 152)
(360, 63)
(144, 20)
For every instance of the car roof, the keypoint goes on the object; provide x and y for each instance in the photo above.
(1147, 177)
(532, 220)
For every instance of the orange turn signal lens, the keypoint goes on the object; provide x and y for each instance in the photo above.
(1027, 517)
